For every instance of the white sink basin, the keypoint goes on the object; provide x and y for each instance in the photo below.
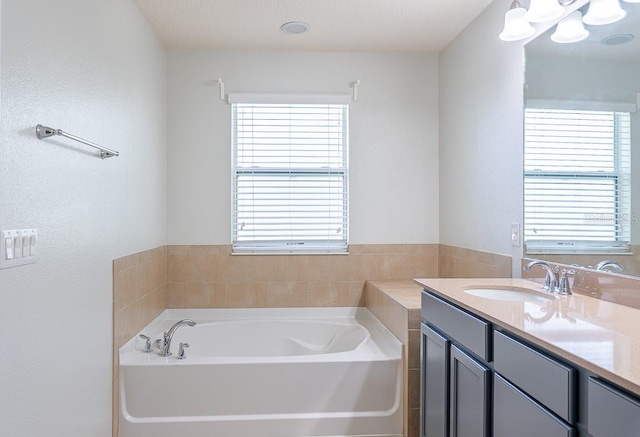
(509, 294)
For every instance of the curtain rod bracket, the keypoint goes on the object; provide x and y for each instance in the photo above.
(221, 85)
(355, 86)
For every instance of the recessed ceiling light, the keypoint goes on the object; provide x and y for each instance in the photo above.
(295, 27)
(616, 40)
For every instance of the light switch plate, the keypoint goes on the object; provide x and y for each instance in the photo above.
(515, 234)
(8, 257)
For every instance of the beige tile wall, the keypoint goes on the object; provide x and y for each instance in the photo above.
(210, 277)
(139, 296)
(458, 262)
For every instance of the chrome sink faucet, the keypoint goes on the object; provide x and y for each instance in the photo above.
(551, 280)
(606, 264)
(168, 335)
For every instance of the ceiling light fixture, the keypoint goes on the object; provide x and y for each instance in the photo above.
(516, 27)
(603, 12)
(570, 29)
(295, 27)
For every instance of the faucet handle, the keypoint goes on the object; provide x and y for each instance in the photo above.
(158, 344)
(147, 343)
(181, 355)
(563, 286)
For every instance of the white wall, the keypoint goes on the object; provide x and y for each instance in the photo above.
(481, 137)
(393, 148)
(94, 69)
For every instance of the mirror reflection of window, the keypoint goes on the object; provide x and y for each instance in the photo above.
(577, 181)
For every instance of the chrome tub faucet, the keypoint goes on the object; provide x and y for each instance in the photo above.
(168, 335)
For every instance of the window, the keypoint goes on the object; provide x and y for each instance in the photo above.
(290, 174)
(577, 181)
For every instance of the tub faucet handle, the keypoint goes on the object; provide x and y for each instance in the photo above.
(147, 343)
(181, 355)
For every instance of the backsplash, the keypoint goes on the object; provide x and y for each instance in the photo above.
(458, 262)
(612, 287)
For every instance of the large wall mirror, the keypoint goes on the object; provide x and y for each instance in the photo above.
(582, 147)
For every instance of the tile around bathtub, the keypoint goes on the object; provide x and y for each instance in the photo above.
(226, 268)
(204, 295)
(246, 295)
(185, 268)
(287, 294)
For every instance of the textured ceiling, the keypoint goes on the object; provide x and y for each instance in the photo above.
(335, 25)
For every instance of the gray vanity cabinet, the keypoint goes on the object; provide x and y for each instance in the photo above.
(455, 385)
(470, 401)
(611, 412)
(483, 380)
(434, 389)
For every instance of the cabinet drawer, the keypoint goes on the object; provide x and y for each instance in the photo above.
(548, 381)
(470, 331)
(611, 413)
(516, 414)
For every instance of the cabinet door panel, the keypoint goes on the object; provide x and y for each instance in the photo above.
(469, 396)
(434, 384)
(516, 414)
(612, 413)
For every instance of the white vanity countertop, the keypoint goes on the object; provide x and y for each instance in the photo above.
(600, 336)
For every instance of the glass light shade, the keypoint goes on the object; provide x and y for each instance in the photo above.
(604, 12)
(570, 29)
(544, 10)
(515, 25)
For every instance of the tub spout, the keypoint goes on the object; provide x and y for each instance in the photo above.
(168, 335)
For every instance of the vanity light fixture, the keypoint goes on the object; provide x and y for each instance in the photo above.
(570, 29)
(604, 12)
(517, 20)
(516, 27)
(544, 10)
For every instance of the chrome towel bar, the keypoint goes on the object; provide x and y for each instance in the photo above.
(46, 132)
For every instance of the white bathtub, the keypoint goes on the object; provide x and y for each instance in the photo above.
(265, 372)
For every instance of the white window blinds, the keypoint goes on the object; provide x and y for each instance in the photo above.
(290, 177)
(577, 181)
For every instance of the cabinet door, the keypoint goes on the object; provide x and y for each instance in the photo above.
(469, 396)
(516, 414)
(611, 413)
(434, 384)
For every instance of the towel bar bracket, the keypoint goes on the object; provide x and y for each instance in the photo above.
(46, 132)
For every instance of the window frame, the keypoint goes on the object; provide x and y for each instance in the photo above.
(308, 173)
